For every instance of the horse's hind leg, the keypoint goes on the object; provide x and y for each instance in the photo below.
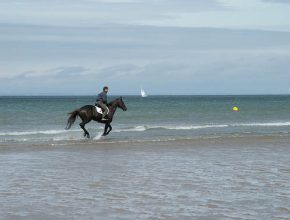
(86, 133)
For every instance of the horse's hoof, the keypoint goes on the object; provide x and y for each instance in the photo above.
(86, 135)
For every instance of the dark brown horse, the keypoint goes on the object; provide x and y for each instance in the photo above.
(88, 113)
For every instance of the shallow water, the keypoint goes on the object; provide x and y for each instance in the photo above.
(42, 119)
(235, 178)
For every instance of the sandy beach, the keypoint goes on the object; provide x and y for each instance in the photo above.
(234, 178)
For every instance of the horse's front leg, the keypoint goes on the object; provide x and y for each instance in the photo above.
(110, 129)
(105, 130)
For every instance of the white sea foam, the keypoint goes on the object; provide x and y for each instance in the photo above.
(191, 127)
(269, 124)
(169, 127)
(21, 133)
(197, 127)
(98, 136)
(136, 128)
(67, 134)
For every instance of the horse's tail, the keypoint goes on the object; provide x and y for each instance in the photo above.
(72, 118)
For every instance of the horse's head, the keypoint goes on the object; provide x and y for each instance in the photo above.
(121, 104)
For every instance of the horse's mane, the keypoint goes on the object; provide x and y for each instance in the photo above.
(112, 102)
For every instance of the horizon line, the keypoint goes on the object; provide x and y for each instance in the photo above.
(82, 95)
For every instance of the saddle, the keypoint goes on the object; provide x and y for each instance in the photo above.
(100, 110)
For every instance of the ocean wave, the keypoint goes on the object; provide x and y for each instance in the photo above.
(197, 127)
(266, 124)
(70, 141)
(142, 128)
(135, 128)
(22, 133)
(171, 127)
(192, 127)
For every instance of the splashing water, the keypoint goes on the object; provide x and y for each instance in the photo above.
(98, 136)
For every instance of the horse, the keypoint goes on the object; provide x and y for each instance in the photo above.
(89, 112)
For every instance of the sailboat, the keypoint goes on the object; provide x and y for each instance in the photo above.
(143, 93)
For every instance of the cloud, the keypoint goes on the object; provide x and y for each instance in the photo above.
(112, 1)
(39, 60)
(67, 72)
(210, 73)
(94, 12)
(179, 13)
(76, 46)
(277, 1)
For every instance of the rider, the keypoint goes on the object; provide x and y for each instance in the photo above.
(102, 102)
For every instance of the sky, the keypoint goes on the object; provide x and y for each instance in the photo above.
(75, 47)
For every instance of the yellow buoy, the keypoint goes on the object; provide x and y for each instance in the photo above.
(235, 109)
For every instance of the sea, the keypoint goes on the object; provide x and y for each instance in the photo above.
(167, 158)
(154, 118)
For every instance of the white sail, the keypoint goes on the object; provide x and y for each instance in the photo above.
(143, 93)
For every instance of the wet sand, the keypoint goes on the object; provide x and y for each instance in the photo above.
(234, 178)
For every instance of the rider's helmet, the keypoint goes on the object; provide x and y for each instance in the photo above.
(105, 89)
